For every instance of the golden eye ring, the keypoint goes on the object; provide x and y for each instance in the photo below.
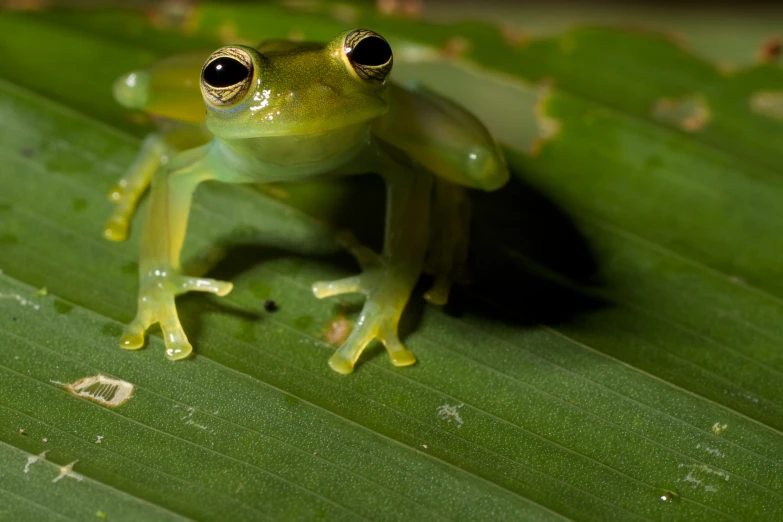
(369, 54)
(226, 76)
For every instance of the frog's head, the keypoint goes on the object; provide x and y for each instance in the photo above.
(296, 89)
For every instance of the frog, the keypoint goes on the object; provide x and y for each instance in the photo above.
(291, 111)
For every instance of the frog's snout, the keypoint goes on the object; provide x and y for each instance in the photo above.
(132, 90)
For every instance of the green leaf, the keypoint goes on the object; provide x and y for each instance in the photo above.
(617, 357)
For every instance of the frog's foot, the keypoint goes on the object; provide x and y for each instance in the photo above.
(438, 294)
(378, 320)
(447, 261)
(448, 243)
(156, 305)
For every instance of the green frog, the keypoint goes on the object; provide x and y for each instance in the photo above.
(291, 111)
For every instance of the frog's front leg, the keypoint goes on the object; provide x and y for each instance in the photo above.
(160, 279)
(156, 150)
(387, 280)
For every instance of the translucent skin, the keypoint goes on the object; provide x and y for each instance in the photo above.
(306, 113)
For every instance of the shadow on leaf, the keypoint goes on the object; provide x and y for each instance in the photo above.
(528, 262)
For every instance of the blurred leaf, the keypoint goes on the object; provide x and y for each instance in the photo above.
(617, 357)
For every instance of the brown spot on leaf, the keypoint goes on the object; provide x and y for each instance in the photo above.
(455, 47)
(387, 7)
(768, 103)
(338, 330)
(548, 127)
(227, 32)
(690, 113)
(25, 5)
(514, 36)
(170, 14)
(307, 6)
(726, 68)
(345, 13)
(408, 8)
(411, 8)
(770, 50)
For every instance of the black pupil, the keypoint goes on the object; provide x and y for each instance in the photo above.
(224, 72)
(371, 51)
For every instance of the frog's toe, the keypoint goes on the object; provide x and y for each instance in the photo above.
(116, 228)
(177, 345)
(341, 364)
(398, 354)
(438, 294)
(348, 285)
(133, 337)
(201, 284)
(370, 326)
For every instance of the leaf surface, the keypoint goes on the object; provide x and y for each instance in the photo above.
(617, 357)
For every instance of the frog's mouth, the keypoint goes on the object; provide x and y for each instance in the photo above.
(254, 119)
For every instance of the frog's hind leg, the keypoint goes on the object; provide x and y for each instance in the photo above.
(387, 279)
(156, 149)
(449, 239)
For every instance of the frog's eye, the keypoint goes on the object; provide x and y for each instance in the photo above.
(226, 76)
(369, 55)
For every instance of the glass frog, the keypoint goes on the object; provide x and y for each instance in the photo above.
(288, 111)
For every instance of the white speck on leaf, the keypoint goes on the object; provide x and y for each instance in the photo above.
(450, 413)
(698, 474)
(741, 395)
(21, 300)
(189, 421)
(32, 459)
(712, 451)
(717, 428)
(67, 471)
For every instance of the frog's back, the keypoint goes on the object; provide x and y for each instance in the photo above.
(443, 137)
